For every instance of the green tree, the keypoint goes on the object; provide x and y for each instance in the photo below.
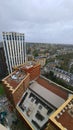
(35, 53)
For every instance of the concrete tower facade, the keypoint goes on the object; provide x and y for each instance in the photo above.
(14, 48)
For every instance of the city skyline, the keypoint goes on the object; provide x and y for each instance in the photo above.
(48, 21)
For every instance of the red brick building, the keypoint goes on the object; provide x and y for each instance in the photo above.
(17, 82)
(33, 68)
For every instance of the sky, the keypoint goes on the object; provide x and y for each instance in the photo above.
(48, 21)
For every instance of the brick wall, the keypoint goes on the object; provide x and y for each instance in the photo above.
(15, 95)
(21, 89)
(35, 72)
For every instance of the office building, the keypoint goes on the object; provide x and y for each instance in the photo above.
(3, 66)
(14, 48)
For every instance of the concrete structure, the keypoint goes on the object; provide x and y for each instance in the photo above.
(3, 66)
(2, 127)
(41, 60)
(14, 48)
(30, 57)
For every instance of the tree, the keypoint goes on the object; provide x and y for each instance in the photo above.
(35, 53)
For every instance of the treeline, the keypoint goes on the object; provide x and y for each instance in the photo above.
(65, 58)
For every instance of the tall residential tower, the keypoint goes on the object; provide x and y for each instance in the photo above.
(15, 49)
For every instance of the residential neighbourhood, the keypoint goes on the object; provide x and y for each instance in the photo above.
(59, 73)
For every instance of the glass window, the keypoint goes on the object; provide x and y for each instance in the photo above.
(15, 37)
(18, 37)
(12, 36)
(7, 37)
(4, 37)
(23, 38)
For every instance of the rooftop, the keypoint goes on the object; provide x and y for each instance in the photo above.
(37, 103)
(47, 95)
(62, 71)
(63, 117)
(28, 65)
(53, 88)
(13, 33)
(15, 78)
(34, 108)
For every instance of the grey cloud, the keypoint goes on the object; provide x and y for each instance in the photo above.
(41, 21)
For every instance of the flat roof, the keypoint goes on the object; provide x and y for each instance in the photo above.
(36, 102)
(28, 65)
(47, 95)
(63, 117)
(15, 78)
(53, 88)
(34, 108)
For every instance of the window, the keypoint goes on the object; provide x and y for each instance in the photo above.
(15, 37)
(4, 37)
(23, 38)
(12, 37)
(20, 37)
(7, 37)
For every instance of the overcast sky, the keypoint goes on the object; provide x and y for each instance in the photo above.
(41, 20)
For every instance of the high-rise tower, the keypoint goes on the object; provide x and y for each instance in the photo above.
(3, 66)
(15, 49)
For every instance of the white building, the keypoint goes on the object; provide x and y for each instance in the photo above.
(15, 49)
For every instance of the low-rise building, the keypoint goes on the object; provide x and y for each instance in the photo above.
(59, 73)
(62, 119)
(17, 82)
(39, 101)
(41, 60)
(15, 85)
(30, 57)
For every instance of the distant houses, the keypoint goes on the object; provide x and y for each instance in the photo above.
(59, 73)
